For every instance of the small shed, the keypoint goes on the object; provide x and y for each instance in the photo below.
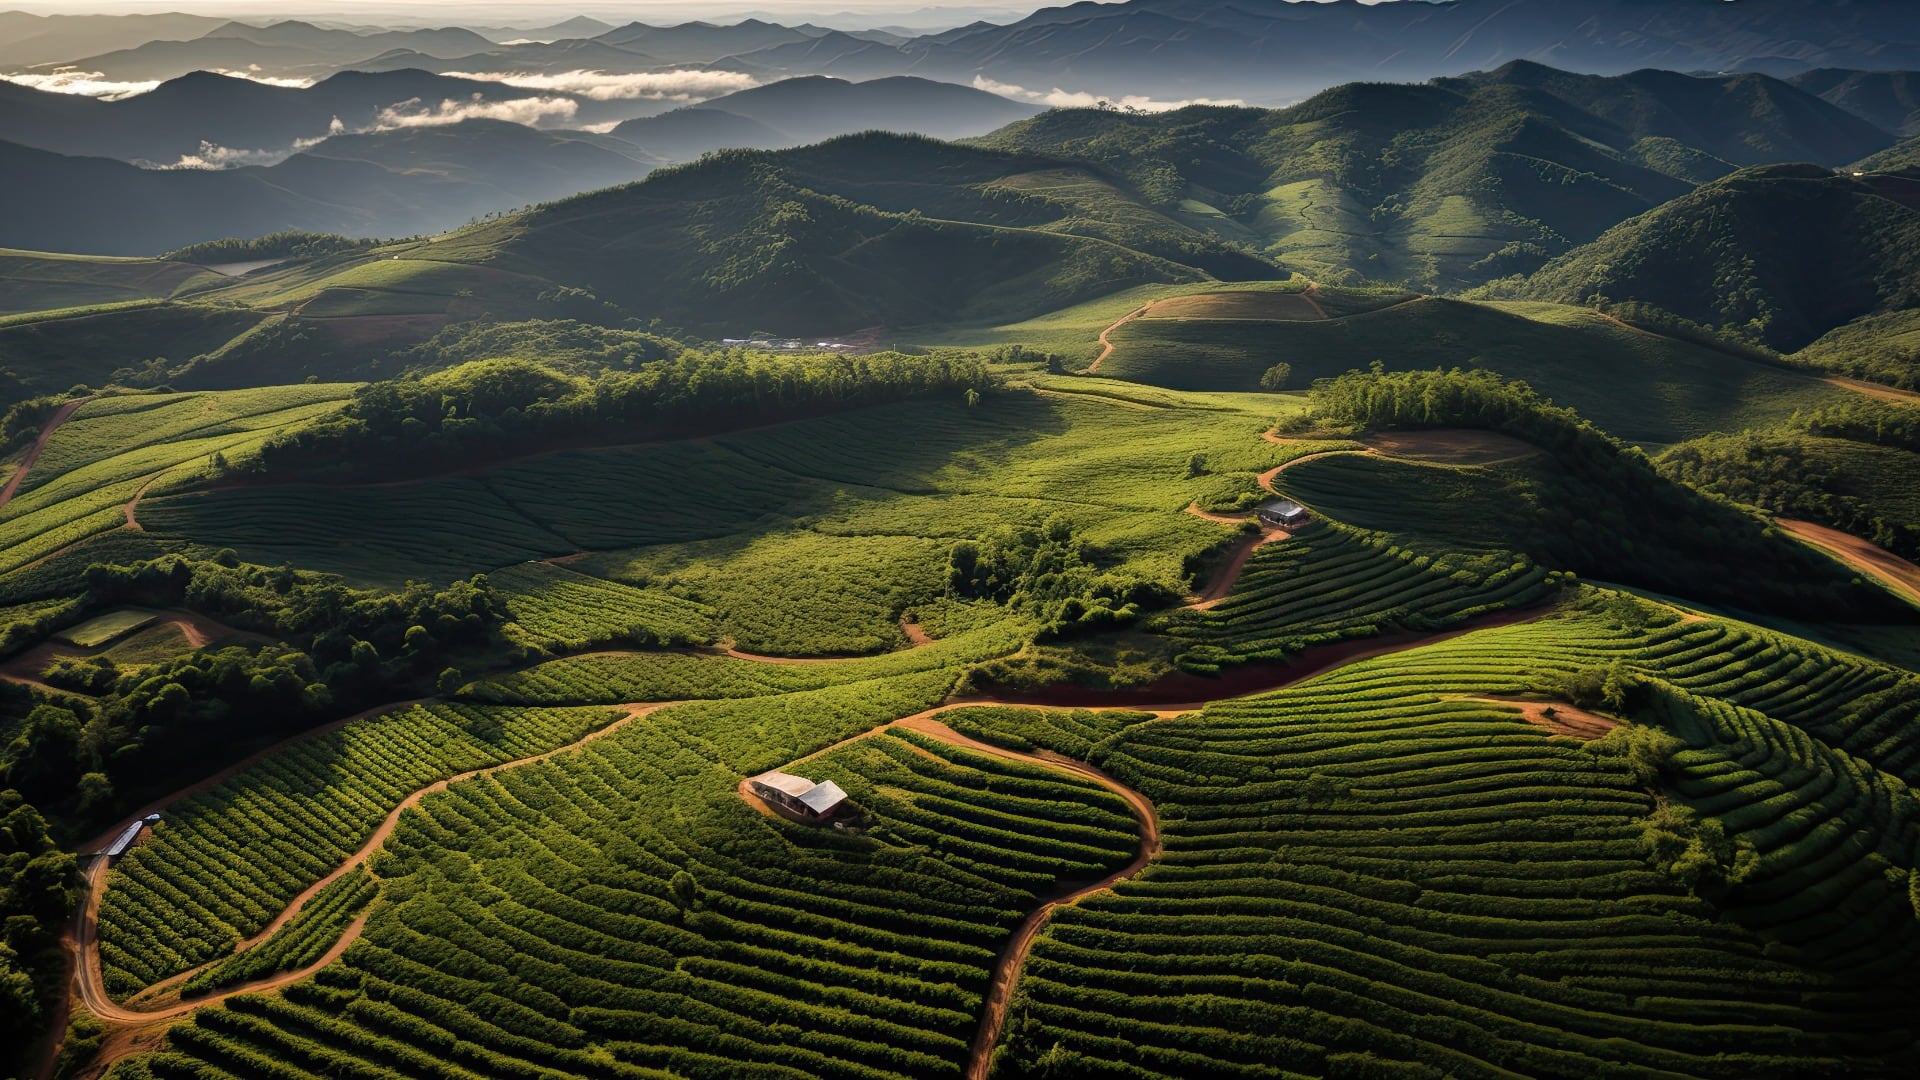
(1283, 512)
(798, 796)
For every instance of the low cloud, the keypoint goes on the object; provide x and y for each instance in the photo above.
(413, 113)
(83, 83)
(684, 85)
(253, 73)
(1080, 99)
(215, 156)
(95, 84)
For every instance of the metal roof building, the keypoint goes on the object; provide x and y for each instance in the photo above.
(797, 795)
(127, 836)
(1282, 512)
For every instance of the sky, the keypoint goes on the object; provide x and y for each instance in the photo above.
(529, 12)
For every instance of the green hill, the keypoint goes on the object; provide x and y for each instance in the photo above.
(865, 230)
(1781, 254)
(1643, 387)
(1453, 182)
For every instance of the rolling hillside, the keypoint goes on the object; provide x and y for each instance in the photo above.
(1781, 254)
(1455, 182)
(863, 230)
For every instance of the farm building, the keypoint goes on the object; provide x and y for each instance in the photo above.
(127, 836)
(798, 796)
(1283, 512)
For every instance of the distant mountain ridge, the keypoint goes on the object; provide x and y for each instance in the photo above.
(861, 230)
(1267, 51)
(813, 108)
(1782, 253)
(174, 118)
(1450, 183)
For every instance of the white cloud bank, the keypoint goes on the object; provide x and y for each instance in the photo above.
(83, 83)
(96, 84)
(1079, 99)
(687, 84)
(413, 113)
(215, 156)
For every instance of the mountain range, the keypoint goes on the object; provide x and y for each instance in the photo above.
(1453, 182)
(331, 157)
(1267, 51)
(812, 108)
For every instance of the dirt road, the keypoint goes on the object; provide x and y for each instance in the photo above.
(1106, 346)
(89, 983)
(1878, 563)
(59, 417)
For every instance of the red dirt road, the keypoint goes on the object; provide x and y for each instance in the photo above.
(1013, 956)
(59, 417)
(82, 944)
(1106, 346)
(1878, 563)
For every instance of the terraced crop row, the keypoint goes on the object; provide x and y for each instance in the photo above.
(102, 457)
(1371, 874)
(532, 925)
(555, 608)
(305, 938)
(1378, 872)
(1329, 583)
(1810, 836)
(613, 677)
(227, 860)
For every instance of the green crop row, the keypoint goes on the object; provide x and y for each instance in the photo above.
(227, 860)
(620, 912)
(1328, 583)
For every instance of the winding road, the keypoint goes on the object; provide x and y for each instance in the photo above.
(60, 416)
(1106, 346)
(139, 1020)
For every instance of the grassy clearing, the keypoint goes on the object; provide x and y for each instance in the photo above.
(32, 281)
(101, 629)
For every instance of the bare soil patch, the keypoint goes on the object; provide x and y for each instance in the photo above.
(1452, 446)
(1238, 307)
(1561, 718)
(1874, 390)
(1895, 572)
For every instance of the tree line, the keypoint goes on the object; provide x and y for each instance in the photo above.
(491, 409)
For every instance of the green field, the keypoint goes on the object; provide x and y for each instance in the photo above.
(101, 629)
(114, 449)
(43, 281)
(1639, 386)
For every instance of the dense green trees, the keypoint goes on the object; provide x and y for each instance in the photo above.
(37, 891)
(1046, 572)
(286, 244)
(488, 409)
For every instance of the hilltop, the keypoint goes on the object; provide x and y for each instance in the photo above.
(858, 231)
(1454, 182)
(1779, 254)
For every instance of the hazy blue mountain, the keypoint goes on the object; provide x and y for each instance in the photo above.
(1887, 99)
(174, 118)
(812, 108)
